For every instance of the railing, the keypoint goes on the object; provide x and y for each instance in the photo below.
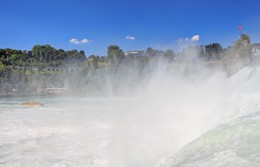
(68, 69)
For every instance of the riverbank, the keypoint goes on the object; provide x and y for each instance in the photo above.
(40, 92)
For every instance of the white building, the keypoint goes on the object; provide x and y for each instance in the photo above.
(135, 53)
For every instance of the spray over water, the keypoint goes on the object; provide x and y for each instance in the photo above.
(141, 116)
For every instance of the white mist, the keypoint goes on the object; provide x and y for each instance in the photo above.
(138, 128)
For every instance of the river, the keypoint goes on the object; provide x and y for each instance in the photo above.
(177, 122)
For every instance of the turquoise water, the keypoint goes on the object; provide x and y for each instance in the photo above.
(233, 144)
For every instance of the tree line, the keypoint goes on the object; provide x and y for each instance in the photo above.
(233, 58)
(47, 56)
(41, 56)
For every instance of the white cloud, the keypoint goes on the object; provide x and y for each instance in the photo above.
(195, 38)
(84, 40)
(76, 41)
(128, 37)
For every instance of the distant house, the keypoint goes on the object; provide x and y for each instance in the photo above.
(135, 53)
(90, 59)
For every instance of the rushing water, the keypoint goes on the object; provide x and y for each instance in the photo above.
(233, 144)
(81, 132)
(140, 130)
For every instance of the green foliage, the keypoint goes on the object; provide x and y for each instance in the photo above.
(42, 56)
(169, 54)
(26, 71)
(242, 47)
(243, 40)
(213, 51)
(43, 53)
(114, 54)
(1, 66)
(150, 52)
(238, 55)
(46, 54)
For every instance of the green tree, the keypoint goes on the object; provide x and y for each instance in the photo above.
(243, 40)
(213, 51)
(169, 54)
(43, 53)
(114, 54)
(150, 52)
(238, 55)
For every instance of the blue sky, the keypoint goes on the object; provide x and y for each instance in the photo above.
(92, 25)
